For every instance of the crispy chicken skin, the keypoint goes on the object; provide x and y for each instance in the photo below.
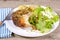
(18, 18)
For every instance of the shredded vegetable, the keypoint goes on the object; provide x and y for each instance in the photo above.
(42, 22)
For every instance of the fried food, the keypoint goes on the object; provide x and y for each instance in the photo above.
(20, 17)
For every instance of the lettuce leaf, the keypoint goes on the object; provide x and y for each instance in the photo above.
(55, 18)
(43, 23)
(48, 9)
(38, 10)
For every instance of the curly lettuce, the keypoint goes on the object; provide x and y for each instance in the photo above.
(42, 22)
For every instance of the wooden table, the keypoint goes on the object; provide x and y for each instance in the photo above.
(55, 4)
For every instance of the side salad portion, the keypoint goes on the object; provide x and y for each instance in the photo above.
(43, 18)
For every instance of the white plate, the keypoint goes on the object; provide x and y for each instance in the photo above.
(10, 25)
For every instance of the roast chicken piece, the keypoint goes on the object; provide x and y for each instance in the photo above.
(20, 18)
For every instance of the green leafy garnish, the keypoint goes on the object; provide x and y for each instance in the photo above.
(55, 18)
(48, 9)
(38, 10)
(32, 19)
(42, 22)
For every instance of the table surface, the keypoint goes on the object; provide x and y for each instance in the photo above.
(55, 4)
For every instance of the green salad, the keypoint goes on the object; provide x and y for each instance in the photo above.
(43, 18)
